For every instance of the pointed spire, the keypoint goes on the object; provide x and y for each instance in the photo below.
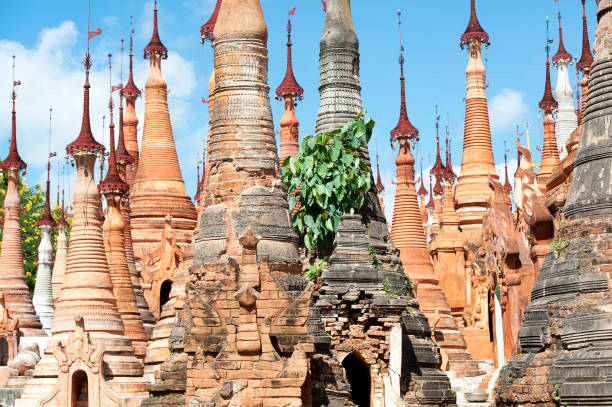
(62, 220)
(449, 174)
(507, 185)
(422, 191)
(208, 29)
(196, 197)
(112, 183)
(13, 160)
(155, 45)
(130, 88)
(474, 30)
(586, 60)
(438, 168)
(404, 128)
(431, 204)
(289, 84)
(562, 54)
(122, 155)
(379, 185)
(548, 102)
(47, 219)
(85, 142)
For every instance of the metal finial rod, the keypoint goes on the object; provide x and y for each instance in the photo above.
(121, 66)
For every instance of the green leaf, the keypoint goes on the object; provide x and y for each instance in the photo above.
(322, 170)
(292, 202)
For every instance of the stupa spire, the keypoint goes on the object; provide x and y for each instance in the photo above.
(548, 104)
(125, 162)
(438, 168)
(207, 30)
(114, 189)
(13, 160)
(61, 254)
(507, 185)
(14, 286)
(379, 185)
(86, 310)
(562, 54)
(43, 296)
(289, 91)
(576, 276)
(339, 66)
(472, 192)
(409, 236)
(159, 189)
(155, 45)
(566, 119)
(421, 194)
(586, 59)
(422, 190)
(130, 122)
(474, 30)
(449, 174)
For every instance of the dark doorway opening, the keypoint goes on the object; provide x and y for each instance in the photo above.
(358, 375)
(4, 352)
(80, 397)
(164, 294)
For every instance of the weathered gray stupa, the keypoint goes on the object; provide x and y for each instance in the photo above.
(410, 374)
(43, 295)
(564, 355)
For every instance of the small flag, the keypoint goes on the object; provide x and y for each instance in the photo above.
(507, 150)
(116, 88)
(204, 101)
(292, 12)
(438, 118)
(324, 6)
(17, 83)
(277, 132)
(521, 134)
(538, 148)
(94, 33)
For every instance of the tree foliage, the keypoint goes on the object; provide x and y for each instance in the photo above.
(329, 179)
(32, 207)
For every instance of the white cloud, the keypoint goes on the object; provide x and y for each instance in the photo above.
(52, 75)
(507, 109)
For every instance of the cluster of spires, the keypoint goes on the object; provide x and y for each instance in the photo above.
(404, 132)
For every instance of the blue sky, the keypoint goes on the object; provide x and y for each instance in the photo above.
(49, 40)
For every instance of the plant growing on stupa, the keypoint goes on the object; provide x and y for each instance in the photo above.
(329, 179)
(32, 207)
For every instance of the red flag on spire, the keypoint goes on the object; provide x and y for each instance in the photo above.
(116, 88)
(94, 33)
(16, 83)
(324, 5)
(204, 100)
(292, 11)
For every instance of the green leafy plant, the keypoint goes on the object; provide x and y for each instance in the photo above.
(559, 244)
(314, 271)
(375, 262)
(557, 397)
(329, 179)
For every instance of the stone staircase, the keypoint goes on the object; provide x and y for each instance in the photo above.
(474, 391)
